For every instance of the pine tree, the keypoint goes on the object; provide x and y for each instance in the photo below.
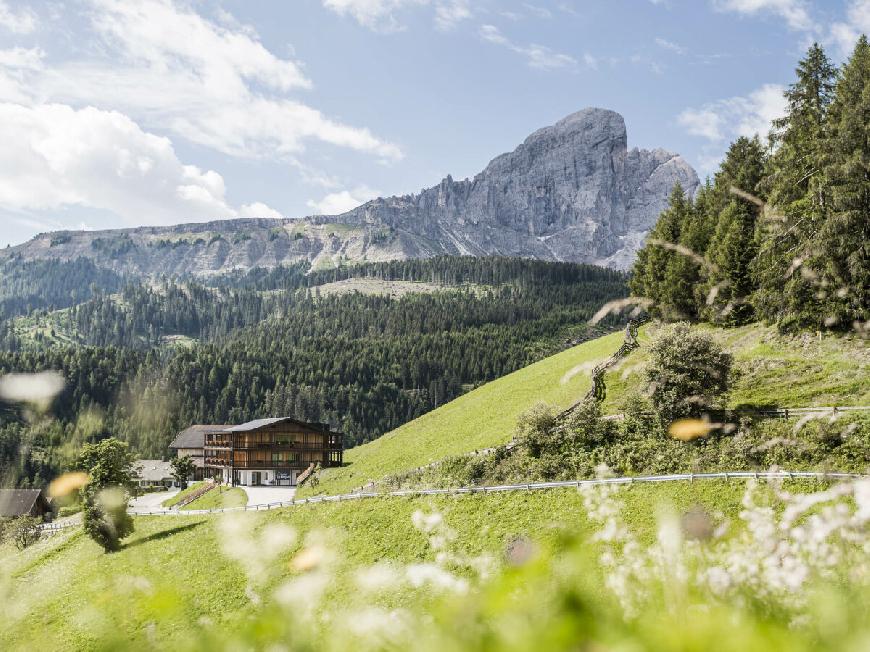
(733, 246)
(843, 258)
(653, 272)
(796, 193)
(696, 237)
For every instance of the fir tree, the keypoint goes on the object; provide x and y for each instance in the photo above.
(655, 268)
(733, 246)
(843, 259)
(797, 193)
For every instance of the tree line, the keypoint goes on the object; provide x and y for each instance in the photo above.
(782, 231)
(363, 364)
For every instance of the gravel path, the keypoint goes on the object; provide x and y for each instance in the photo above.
(152, 501)
(269, 495)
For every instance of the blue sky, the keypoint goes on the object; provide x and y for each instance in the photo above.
(118, 113)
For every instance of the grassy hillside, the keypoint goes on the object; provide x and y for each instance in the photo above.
(772, 369)
(220, 498)
(482, 418)
(173, 574)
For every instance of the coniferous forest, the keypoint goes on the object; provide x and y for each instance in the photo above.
(782, 232)
(143, 360)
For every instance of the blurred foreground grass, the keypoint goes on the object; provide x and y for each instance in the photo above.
(511, 571)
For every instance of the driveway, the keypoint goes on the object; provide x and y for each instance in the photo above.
(266, 495)
(152, 501)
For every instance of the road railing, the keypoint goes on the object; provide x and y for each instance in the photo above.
(530, 486)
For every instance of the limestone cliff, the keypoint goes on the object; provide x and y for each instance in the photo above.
(570, 192)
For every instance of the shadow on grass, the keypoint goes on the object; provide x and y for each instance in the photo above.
(163, 534)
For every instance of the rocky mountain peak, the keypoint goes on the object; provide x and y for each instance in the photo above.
(572, 191)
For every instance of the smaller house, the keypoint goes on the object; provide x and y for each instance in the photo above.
(24, 502)
(154, 473)
(190, 443)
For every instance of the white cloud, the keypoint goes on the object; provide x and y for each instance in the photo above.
(22, 21)
(537, 56)
(670, 45)
(724, 120)
(736, 116)
(171, 69)
(706, 123)
(16, 65)
(451, 12)
(56, 157)
(337, 203)
(22, 58)
(794, 12)
(375, 14)
(540, 12)
(845, 34)
(165, 36)
(383, 15)
(259, 209)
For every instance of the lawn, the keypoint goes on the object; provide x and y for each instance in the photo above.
(181, 495)
(65, 593)
(218, 498)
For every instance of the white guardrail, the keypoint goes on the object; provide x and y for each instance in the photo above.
(532, 486)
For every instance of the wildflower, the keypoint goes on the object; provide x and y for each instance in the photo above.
(426, 523)
(689, 429)
(435, 576)
(67, 484)
(380, 577)
(37, 389)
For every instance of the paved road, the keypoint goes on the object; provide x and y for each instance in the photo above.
(269, 495)
(152, 501)
(272, 492)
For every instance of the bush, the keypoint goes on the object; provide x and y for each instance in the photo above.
(110, 466)
(69, 510)
(687, 374)
(534, 427)
(106, 520)
(24, 531)
(569, 449)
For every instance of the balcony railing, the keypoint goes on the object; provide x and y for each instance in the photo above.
(218, 462)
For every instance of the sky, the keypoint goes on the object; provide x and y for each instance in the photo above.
(120, 113)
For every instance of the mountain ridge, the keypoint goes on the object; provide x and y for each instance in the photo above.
(572, 191)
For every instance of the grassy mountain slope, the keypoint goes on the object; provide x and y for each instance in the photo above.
(173, 576)
(772, 369)
(482, 418)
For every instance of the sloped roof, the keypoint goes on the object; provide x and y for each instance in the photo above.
(18, 502)
(257, 424)
(194, 437)
(154, 470)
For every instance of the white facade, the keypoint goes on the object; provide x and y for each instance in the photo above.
(265, 477)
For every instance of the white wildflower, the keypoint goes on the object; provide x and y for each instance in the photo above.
(38, 389)
(382, 576)
(302, 594)
(426, 523)
(433, 575)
